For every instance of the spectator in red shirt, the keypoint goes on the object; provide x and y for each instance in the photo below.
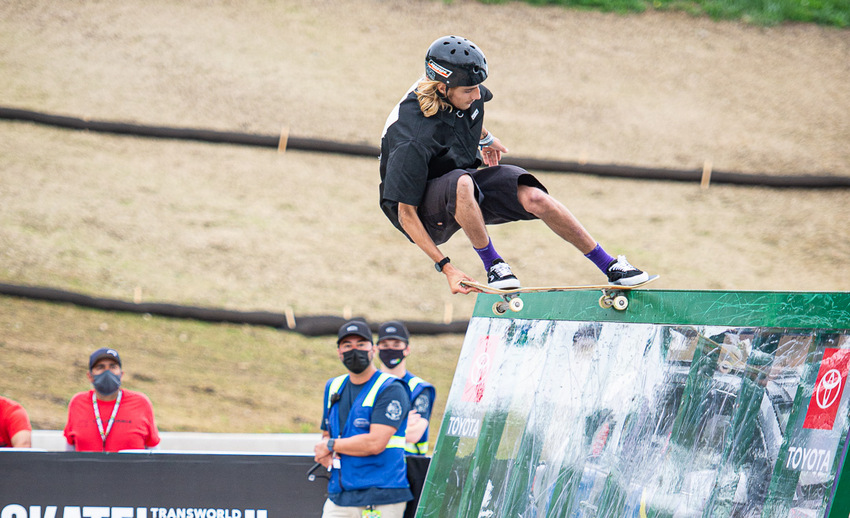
(15, 428)
(109, 418)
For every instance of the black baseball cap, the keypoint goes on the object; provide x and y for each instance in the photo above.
(393, 330)
(355, 327)
(104, 352)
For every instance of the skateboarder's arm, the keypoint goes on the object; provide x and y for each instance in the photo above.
(414, 228)
(491, 153)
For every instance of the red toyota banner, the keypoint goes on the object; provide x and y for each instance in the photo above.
(476, 382)
(826, 397)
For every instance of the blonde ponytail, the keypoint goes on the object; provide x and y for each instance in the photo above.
(430, 99)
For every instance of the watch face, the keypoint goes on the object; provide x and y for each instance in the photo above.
(439, 266)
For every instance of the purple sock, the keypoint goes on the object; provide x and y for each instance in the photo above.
(600, 258)
(487, 254)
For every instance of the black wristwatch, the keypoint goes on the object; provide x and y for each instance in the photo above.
(444, 261)
(331, 444)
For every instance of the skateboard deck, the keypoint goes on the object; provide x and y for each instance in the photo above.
(613, 295)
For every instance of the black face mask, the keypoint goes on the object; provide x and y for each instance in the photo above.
(391, 357)
(356, 360)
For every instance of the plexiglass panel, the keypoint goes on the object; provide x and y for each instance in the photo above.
(560, 418)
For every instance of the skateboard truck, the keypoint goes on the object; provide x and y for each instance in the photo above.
(510, 301)
(613, 298)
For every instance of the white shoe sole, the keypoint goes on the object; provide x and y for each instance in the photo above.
(507, 284)
(631, 281)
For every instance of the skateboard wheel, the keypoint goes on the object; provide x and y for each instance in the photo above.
(516, 304)
(499, 308)
(621, 302)
(605, 302)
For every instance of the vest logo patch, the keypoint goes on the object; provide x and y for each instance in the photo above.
(361, 422)
(474, 114)
(394, 410)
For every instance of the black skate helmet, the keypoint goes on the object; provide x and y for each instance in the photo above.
(455, 61)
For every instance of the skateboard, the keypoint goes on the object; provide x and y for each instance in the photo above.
(613, 296)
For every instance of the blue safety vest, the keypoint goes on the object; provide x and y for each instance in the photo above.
(417, 386)
(386, 470)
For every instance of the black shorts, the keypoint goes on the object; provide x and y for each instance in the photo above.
(495, 188)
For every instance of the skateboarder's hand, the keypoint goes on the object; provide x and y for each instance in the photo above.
(454, 276)
(492, 154)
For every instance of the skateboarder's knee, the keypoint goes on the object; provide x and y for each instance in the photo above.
(465, 188)
(533, 199)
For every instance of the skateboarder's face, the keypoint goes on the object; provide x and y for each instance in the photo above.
(462, 97)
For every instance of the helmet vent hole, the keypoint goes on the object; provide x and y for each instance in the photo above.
(452, 51)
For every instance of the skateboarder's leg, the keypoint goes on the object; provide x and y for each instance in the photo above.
(469, 217)
(468, 213)
(556, 216)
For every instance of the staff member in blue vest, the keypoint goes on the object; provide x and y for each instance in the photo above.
(364, 421)
(393, 350)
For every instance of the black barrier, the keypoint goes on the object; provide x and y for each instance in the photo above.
(305, 325)
(825, 181)
(157, 485)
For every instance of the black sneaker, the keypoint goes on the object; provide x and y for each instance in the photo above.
(500, 276)
(621, 273)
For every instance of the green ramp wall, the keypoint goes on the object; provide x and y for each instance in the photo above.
(686, 404)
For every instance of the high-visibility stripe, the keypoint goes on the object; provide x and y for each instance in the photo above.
(373, 392)
(335, 385)
(419, 448)
(396, 441)
(413, 382)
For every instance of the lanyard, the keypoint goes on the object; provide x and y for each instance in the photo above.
(103, 433)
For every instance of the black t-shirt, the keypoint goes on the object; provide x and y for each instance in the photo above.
(415, 149)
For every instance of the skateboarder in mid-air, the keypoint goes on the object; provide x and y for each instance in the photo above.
(431, 186)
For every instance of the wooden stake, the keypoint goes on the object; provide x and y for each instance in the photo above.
(346, 312)
(290, 317)
(137, 295)
(582, 156)
(706, 174)
(284, 137)
(448, 313)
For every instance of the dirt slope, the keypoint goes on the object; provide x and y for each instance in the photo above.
(250, 229)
